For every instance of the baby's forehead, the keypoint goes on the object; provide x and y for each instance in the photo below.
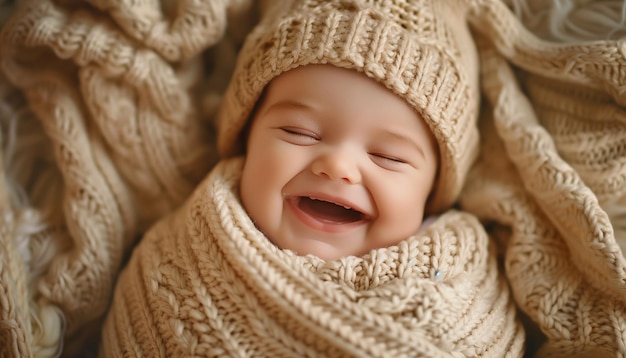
(329, 77)
(344, 96)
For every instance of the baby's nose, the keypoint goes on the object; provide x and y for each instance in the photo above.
(337, 165)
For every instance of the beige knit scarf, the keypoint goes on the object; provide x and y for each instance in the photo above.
(206, 282)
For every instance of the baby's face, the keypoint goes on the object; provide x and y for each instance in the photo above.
(336, 164)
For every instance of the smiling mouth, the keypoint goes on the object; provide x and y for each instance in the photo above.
(327, 212)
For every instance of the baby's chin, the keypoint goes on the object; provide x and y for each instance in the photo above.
(325, 250)
(313, 247)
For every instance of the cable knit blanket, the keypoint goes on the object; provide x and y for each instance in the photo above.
(120, 138)
(105, 131)
(552, 178)
(206, 282)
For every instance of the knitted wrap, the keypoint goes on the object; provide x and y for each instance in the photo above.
(205, 282)
(553, 173)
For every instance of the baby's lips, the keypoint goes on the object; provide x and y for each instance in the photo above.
(340, 201)
(328, 212)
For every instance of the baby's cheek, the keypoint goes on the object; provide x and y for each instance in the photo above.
(398, 222)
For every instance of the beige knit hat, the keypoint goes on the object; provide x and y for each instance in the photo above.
(421, 50)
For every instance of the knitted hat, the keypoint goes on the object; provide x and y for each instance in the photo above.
(421, 50)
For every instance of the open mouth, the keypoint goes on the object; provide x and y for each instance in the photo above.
(328, 212)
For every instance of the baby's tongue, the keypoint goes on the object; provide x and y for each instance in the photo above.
(328, 212)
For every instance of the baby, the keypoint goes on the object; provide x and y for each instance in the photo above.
(336, 167)
(345, 124)
(384, 101)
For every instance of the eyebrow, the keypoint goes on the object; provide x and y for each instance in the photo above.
(287, 104)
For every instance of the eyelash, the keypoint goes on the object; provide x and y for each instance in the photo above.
(388, 158)
(300, 133)
(300, 136)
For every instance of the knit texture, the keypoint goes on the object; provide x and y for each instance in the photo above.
(113, 87)
(421, 50)
(31, 326)
(92, 163)
(205, 282)
(552, 180)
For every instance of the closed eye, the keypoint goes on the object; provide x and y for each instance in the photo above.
(300, 136)
(389, 158)
(387, 161)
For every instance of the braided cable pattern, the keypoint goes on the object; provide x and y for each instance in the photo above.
(176, 30)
